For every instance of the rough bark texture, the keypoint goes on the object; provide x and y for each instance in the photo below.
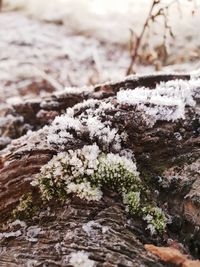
(115, 238)
(35, 113)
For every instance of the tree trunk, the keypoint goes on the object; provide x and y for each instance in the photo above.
(103, 229)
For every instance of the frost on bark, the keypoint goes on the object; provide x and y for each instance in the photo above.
(165, 144)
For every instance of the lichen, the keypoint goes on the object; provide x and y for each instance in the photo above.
(85, 172)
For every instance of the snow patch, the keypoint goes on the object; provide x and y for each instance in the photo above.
(68, 126)
(85, 191)
(166, 102)
(91, 225)
(32, 233)
(32, 263)
(106, 18)
(18, 222)
(10, 234)
(80, 259)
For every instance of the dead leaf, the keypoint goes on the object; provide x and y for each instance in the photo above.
(191, 263)
(172, 255)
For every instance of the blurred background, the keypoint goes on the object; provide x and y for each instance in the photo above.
(53, 44)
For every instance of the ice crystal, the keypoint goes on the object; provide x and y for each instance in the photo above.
(117, 172)
(80, 259)
(166, 102)
(18, 222)
(59, 132)
(85, 191)
(32, 233)
(68, 126)
(31, 263)
(10, 234)
(26, 208)
(154, 216)
(67, 172)
(90, 227)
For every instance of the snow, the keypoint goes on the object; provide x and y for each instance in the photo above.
(33, 52)
(90, 227)
(105, 18)
(85, 191)
(18, 222)
(59, 131)
(15, 100)
(76, 90)
(82, 172)
(178, 136)
(79, 163)
(81, 51)
(65, 127)
(31, 263)
(10, 234)
(32, 233)
(80, 259)
(166, 102)
(112, 159)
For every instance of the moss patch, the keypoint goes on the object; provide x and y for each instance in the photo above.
(26, 208)
(84, 172)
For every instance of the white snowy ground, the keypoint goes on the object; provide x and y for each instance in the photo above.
(91, 44)
(31, 50)
(112, 18)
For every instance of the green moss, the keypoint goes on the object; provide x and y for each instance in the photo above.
(86, 175)
(116, 177)
(26, 208)
(52, 190)
(132, 199)
(155, 217)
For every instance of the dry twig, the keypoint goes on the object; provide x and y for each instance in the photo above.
(154, 12)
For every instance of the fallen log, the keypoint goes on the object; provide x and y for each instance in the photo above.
(159, 124)
(32, 114)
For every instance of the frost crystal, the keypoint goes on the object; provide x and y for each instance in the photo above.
(64, 128)
(32, 233)
(90, 227)
(84, 171)
(18, 222)
(59, 132)
(80, 259)
(31, 263)
(85, 191)
(166, 102)
(10, 234)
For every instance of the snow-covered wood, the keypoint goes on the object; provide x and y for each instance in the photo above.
(31, 114)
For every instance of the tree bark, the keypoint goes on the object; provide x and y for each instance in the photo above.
(35, 113)
(115, 238)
